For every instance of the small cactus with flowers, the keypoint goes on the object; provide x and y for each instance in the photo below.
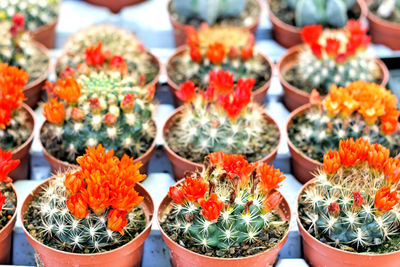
(15, 126)
(229, 209)
(93, 208)
(353, 202)
(219, 47)
(334, 57)
(108, 48)
(221, 117)
(359, 110)
(101, 108)
(8, 198)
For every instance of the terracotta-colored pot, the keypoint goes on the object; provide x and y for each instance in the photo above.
(114, 6)
(181, 165)
(22, 152)
(288, 35)
(59, 165)
(33, 90)
(294, 97)
(258, 95)
(182, 257)
(46, 35)
(129, 254)
(180, 33)
(319, 254)
(6, 236)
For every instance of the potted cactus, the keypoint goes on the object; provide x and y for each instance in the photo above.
(228, 214)
(244, 14)
(348, 215)
(18, 49)
(384, 21)
(97, 47)
(41, 17)
(17, 120)
(328, 57)
(93, 215)
(358, 110)
(114, 6)
(220, 117)
(8, 204)
(289, 16)
(214, 48)
(98, 108)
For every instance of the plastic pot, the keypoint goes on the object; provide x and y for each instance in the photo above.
(114, 6)
(6, 235)
(180, 165)
(46, 35)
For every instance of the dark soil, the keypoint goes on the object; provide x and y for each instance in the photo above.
(10, 204)
(394, 17)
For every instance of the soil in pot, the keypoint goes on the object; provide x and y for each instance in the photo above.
(393, 17)
(10, 204)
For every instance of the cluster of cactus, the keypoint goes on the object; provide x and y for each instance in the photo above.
(353, 203)
(221, 118)
(358, 110)
(99, 108)
(15, 128)
(8, 198)
(92, 208)
(388, 9)
(93, 47)
(231, 202)
(219, 47)
(209, 10)
(335, 57)
(37, 12)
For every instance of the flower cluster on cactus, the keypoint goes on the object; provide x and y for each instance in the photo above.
(335, 57)
(221, 117)
(215, 48)
(353, 203)
(107, 48)
(37, 12)
(7, 195)
(229, 204)
(15, 127)
(92, 208)
(99, 108)
(359, 110)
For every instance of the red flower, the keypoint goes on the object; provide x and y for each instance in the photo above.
(176, 194)
(236, 165)
(110, 119)
(247, 52)
(216, 157)
(385, 199)
(94, 55)
(272, 201)
(221, 80)
(334, 209)
(332, 47)
(19, 20)
(94, 104)
(234, 102)
(50, 89)
(233, 52)
(270, 178)
(316, 49)
(2, 200)
(77, 114)
(195, 54)
(7, 165)
(187, 91)
(211, 207)
(230, 104)
(209, 93)
(128, 102)
(77, 206)
(194, 189)
(54, 111)
(151, 89)
(67, 72)
(355, 27)
(244, 87)
(118, 63)
(192, 36)
(311, 33)
(357, 200)
(331, 161)
(315, 97)
(117, 220)
(216, 53)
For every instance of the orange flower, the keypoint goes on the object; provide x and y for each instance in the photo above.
(236, 165)
(195, 54)
(385, 199)
(216, 157)
(118, 63)
(349, 152)
(130, 170)
(12, 82)
(269, 177)
(194, 189)
(357, 200)
(128, 102)
(272, 201)
(332, 47)
(117, 221)
(94, 55)
(7, 164)
(77, 114)
(77, 206)
(247, 52)
(97, 193)
(151, 89)
(377, 156)
(331, 161)
(211, 207)
(192, 36)
(392, 171)
(68, 89)
(187, 91)
(176, 194)
(315, 97)
(371, 111)
(2, 200)
(54, 111)
(221, 80)
(216, 53)
(389, 126)
(334, 209)
(5, 114)
(110, 119)
(124, 198)
(74, 182)
(363, 147)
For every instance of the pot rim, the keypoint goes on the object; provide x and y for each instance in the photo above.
(29, 140)
(45, 74)
(22, 220)
(198, 165)
(160, 212)
(302, 230)
(45, 27)
(13, 218)
(385, 23)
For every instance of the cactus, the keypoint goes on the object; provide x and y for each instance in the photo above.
(37, 12)
(353, 203)
(99, 108)
(15, 128)
(358, 110)
(221, 118)
(208, 10)
(93, 208)
(387, 9)
(335, 57)
(219, 47)
(231, 203)
(106, 41)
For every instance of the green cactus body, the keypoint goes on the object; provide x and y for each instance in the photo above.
(17, 132)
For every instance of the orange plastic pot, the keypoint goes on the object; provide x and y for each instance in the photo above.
(6, 236)
(288, 35)
(46, 35)
(181, 165)
(22, 152)
(293, 97)
(258, 95)
(319, 254)
(114, 6)
(59, 165)
(182, 257)
(129, 254)
(180, 33)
